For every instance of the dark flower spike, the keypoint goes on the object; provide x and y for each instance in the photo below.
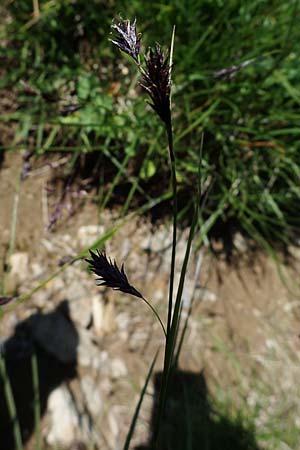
(5, 300)
(110, 275)
(126, 38)
(157, 82)
(230, 72)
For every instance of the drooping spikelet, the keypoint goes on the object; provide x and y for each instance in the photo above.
(109, 274)
(126, 38)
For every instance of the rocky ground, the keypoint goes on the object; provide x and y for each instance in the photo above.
(94, 346)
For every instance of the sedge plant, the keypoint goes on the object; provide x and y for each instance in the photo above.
(155, 69)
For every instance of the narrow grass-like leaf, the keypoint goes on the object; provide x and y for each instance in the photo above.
(10, 404)
(139, 404)
(122, 169)
(36, 401)
(172, 335)
(169, 129)
(198, 210)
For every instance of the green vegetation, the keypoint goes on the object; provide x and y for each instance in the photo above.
(250, 122)
(235, 82)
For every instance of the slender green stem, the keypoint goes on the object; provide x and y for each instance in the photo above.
(178, 302)
(139, 404)
(175, 209)
(36, 400)
(172, 337)
(156, 315)
(168, 347)
(11, 405)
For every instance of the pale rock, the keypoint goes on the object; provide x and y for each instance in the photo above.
(123, 321)
(158, 241)
(118, 368)
(75, 289)
(159, 295)
(125, 249)
(103, 313)
(37, 270)
(88, 354)
(48, 245)
(19, 271)
(80, 310)
(205, 295)
(91, 394)
(271, 344)
(240, 242)
(63, 418)
(98, 314)
(188, 291)
(114, 426)
(66, 239)
(88, 234)
(56, 285)
(294, 250)
(106, 386)
(19, 265)
(41, 299)
(290, 306)
(137, 339)
(69, 425)
(123, 336)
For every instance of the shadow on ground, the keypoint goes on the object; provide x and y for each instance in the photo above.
(191, 423)
(18, 353)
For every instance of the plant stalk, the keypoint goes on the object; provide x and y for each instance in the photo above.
(169, 344)
(175, 211)
(156, 315)
(11, 406)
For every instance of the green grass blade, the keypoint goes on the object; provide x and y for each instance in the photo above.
(11, 404)
(172, 335)
(139, 404)
(36, 401)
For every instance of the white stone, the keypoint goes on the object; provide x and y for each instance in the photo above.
(294, 251)
(37, 269)
(19, 265)
(118, 368)
(205, 295)
(63, 418)
(88, 354)
(91, 394)
(123, 321)
(114, 426)
(158, 241)
(98, 314)
(80, 311)
(88, 234)
(75, 289)
(103, 316)
(240, 242)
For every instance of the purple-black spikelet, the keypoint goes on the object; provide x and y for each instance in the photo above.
(156, 82)
(109, 274)
(5, 300)
(156, 79)
(126, 38)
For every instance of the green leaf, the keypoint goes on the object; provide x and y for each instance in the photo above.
(148, 170)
